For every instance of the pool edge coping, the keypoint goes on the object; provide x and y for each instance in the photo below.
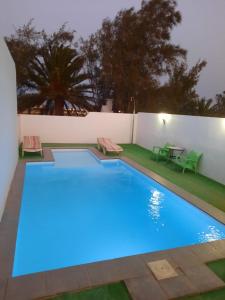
(40, 283)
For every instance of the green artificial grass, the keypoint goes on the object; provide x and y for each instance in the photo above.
(219, 268)
(115, 291)
(201, 186)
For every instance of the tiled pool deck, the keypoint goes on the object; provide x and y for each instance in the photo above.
(189, 262)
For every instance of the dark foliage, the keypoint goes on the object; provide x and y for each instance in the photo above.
(49, 71)
(127, 56)
(219, 107)
(123, 61)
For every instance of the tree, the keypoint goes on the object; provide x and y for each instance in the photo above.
(131, 52)
(204, 107)
(23, 46)
(53, 76)
(178, 95)
(93, 70)
(220, 105)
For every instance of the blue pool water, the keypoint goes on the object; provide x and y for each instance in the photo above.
(80, 210)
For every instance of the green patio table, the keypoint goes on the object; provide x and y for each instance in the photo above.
(175, 151)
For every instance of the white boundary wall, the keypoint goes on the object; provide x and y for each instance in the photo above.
(63, 129)
(8, 122)
(203, 134)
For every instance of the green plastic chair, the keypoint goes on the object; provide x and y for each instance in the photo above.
(189, 161)
(161, 152)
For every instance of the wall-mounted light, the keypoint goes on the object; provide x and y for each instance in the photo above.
(223, 123)
(164, 118)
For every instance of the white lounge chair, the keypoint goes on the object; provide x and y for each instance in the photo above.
(106, 145)
(31, 144)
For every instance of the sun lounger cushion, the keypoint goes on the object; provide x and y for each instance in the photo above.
(108, 145)
(31, 143)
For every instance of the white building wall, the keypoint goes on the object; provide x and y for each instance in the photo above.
(108, 106)
(64, 129)
(8, 122)
(203, 134)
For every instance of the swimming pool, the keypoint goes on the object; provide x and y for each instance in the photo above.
(79, 210)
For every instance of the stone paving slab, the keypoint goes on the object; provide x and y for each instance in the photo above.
(220, 244)
(178, 287)
(203, 278)
(3, 285)
(116, 270)
(184, 257)
(67, 279)
(208, 252)
(26, 287)
(145, 288)
(162, 269)
(159, 255)
(9, 223)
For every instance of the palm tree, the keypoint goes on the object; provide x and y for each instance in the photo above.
(56, 81)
